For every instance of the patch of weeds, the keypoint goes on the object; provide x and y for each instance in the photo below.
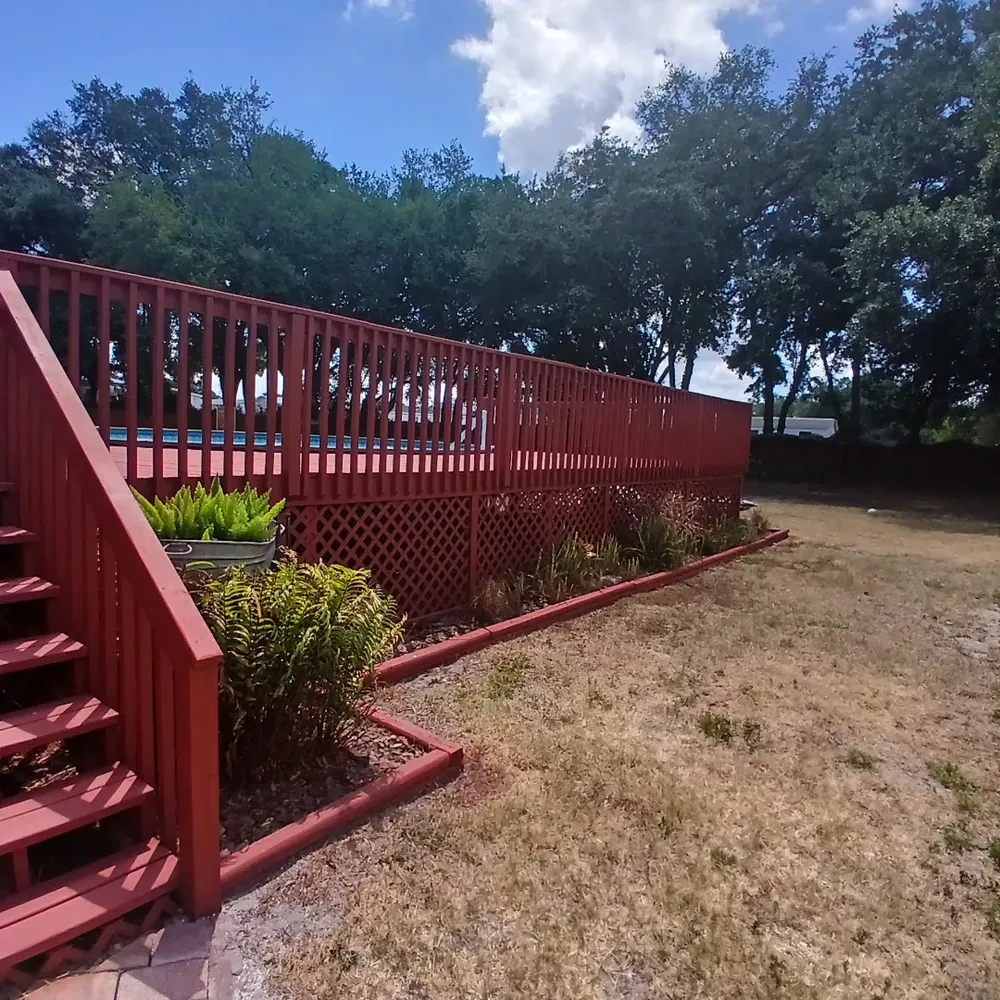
(950, 776)
(753, 733)
(993, 916)
(508, 674)
(717, 727)
(721, 858)
(967, 802)
(994, 852)
(596, 697)
(861, 760)
(956, 839)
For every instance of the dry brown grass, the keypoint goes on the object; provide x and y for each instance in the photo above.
(608, 840)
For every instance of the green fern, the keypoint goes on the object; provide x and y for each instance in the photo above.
(298, 644)
(212, 514)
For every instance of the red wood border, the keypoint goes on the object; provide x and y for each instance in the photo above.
(409, 665)
(238, 870)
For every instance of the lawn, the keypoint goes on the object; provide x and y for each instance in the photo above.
(777, 780)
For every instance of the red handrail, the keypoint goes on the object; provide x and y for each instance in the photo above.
(150, 654)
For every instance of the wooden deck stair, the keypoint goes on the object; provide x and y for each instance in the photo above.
(46, 924)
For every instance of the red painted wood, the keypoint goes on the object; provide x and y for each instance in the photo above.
(207, 372)
(12, 535)
(183, 379)
(43, 724)
(118, 583)
(371, 341)
(47, 895)
(272, 392)
(26, 588)
(39, 651)
(69, 908)
(67, 805)
(250, 391)
(73, 331)
(282, 845)
(228, 385)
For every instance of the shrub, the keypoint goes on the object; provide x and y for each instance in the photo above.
(610, 559)
(497, 600)
(666, 537)
(207, 515)
(566, 568)
(298, 643)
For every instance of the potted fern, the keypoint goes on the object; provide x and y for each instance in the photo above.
(214, 529)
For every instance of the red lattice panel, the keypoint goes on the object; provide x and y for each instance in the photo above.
(90, 946)
(514, 530)
(417, 550)
(580, 510)
(717, 498)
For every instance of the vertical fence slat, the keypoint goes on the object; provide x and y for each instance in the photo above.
(228, 386)
(132, 382)
(158, 332)
(104, 359)
(357, 374)
(324, 408)
(166, 769)
(423, 412)
(183, 386)
(44, 303)
(207, 330)
(342, 402)
(250, 399)
(73, 331)
(372, 342)
(272, 395)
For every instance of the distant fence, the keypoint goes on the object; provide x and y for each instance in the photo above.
(435, 463)
(942, 468)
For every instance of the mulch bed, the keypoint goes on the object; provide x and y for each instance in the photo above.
(253, 810)
(430, 631)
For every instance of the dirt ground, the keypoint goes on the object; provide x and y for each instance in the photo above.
(776, 781)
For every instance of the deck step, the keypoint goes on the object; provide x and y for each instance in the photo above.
(38, 651)
(67, 805)
(11, 534)
(26, 588)
(54, 913)
(50, 723)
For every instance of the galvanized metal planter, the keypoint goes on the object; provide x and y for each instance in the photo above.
(215, 557)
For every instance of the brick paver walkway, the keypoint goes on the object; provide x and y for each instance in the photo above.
(183, 961)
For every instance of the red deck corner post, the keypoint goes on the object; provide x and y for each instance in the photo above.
(197, 695)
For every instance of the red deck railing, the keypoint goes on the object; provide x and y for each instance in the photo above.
(351, 410)
(149, 653)
(435, 463)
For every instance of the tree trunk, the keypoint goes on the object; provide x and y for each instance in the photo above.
(856, 358)
(688, 371)
(793, 389)
(830, 384)
(768, 406)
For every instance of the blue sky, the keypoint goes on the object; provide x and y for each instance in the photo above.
(511, 79)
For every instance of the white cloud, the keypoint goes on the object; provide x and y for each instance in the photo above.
(403, 9)
(873, 12)
(713, 376)
(556, 71)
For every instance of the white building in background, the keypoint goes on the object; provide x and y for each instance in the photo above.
(807, 427)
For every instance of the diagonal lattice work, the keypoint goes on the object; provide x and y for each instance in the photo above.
(513, 530)
(417, 550)
(430, 553)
